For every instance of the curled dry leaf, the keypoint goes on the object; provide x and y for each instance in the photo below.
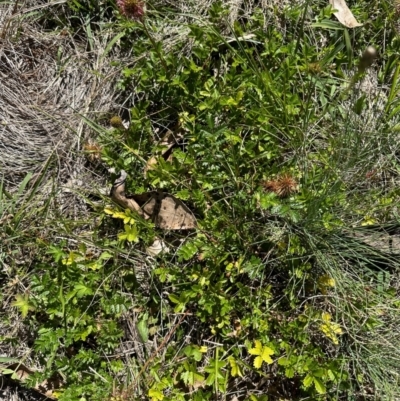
(343, 14)
(166, 211)
(157, 247)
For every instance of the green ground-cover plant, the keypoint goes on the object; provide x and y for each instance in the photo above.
(271, 297)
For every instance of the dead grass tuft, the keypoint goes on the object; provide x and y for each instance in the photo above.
(47, 81)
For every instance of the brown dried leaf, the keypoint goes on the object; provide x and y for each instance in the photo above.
(166, 211)
(47, 387)
(21, 372)
(343, 14)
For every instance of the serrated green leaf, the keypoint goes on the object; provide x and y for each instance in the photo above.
(197, 355)
(187, 251)
(184, 194)
(235, 368)
(81, 290)
(266, 355)
(258, 362)
(257, 350)
(319, 386)
(187, 377)
(22, 303)
(130, 234)
(203, 106)
(307, 381)
(210, 380)
(57, 253)
(195, 67)
(198, 378)
(331, 375)
(94, 265)
(283, 361)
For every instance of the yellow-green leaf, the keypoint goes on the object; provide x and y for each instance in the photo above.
(308, 380)
(319, 386)
(263, 354)
(105, 255)
(125, 216)
(71, 259)
(258, 362)
(257, 350)
(329, 328)
(22, 303)
(94, 265)
(235, 368)
(266, 355)
(331, 375)
(155, 395)
(368, 221)
(119, 215)
(283, 361)
(82, 290)
(324, 282)
(326, 317)
(130, 234)
(335, 328)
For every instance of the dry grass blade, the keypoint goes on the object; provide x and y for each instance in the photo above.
(46, 82)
